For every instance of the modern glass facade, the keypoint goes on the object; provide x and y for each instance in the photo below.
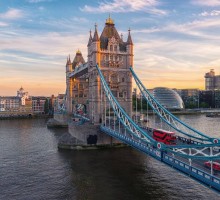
(169, 98)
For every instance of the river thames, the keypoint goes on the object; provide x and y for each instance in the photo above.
(32, 168)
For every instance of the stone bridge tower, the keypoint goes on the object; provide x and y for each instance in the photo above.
(114, 57)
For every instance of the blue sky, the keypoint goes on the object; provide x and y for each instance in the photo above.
(175, 41)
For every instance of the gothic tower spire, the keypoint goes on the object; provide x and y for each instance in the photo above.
(96, 36)
(90, 38)
(129, 40)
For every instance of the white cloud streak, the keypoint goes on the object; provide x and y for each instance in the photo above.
(197, 28)
(124, 6)
(166, 58)
(38, 1)
(210, 3)
(12, 14)
(51, 44)
(3, 24)
(212, 13)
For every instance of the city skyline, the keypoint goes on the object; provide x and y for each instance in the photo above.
(175, 44)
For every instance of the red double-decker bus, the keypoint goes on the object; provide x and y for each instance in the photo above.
(164, 136)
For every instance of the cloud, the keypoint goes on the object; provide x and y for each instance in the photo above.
(210, 3)
(212, 13)
(12, 14)
(124, 6)
(197, 29)
(38, 1)
(53, 44)
(45, 52)
(80, 19)
(41, 8)
(165, 53)
(3, 24)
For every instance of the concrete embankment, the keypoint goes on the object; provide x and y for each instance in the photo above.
(22, 116)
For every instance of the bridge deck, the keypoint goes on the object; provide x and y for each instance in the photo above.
(196, 169)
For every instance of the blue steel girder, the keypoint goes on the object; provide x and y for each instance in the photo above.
(169, 118)
(194, 151)
(186, 151)
(81, 116)
(128, 123)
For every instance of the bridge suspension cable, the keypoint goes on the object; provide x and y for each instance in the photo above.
(169, 118)
(137, 135)
(122, 116)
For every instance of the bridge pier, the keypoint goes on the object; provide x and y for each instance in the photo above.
(87, 136)
(59, 120)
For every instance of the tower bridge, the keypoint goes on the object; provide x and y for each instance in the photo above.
(99, 106)
(114, 57)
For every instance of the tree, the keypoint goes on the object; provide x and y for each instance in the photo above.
(204, 105)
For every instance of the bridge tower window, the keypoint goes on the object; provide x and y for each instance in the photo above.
(111, 48)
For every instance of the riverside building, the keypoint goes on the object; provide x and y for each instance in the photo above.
(212, 81)
(16, 104)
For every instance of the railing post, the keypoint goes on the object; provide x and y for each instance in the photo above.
(211, 154)
(109, 115)
(114, 121)
(101, 104)
(119, 128)
(190, 160)
(105, 109)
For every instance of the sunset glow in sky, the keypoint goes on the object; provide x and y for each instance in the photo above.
(175, 41)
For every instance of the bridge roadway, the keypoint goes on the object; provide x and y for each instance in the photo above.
(194, 163)
(197, 163)
(196, 170)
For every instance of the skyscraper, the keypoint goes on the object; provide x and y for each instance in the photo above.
(212, 82)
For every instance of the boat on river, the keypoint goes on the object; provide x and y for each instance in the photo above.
(213, 115)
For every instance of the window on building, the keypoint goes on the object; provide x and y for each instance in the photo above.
(111, 48)
(120, 94)
(80, 86)
(115, 48)
(115, 93)
(114, 78)
(123, 79)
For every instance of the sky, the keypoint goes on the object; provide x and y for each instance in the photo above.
(175, 41)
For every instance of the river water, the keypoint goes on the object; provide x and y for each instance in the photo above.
(32, 168)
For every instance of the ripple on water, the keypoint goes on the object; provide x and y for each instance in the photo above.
(31, 167)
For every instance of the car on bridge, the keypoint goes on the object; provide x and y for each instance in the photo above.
(215, 165)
